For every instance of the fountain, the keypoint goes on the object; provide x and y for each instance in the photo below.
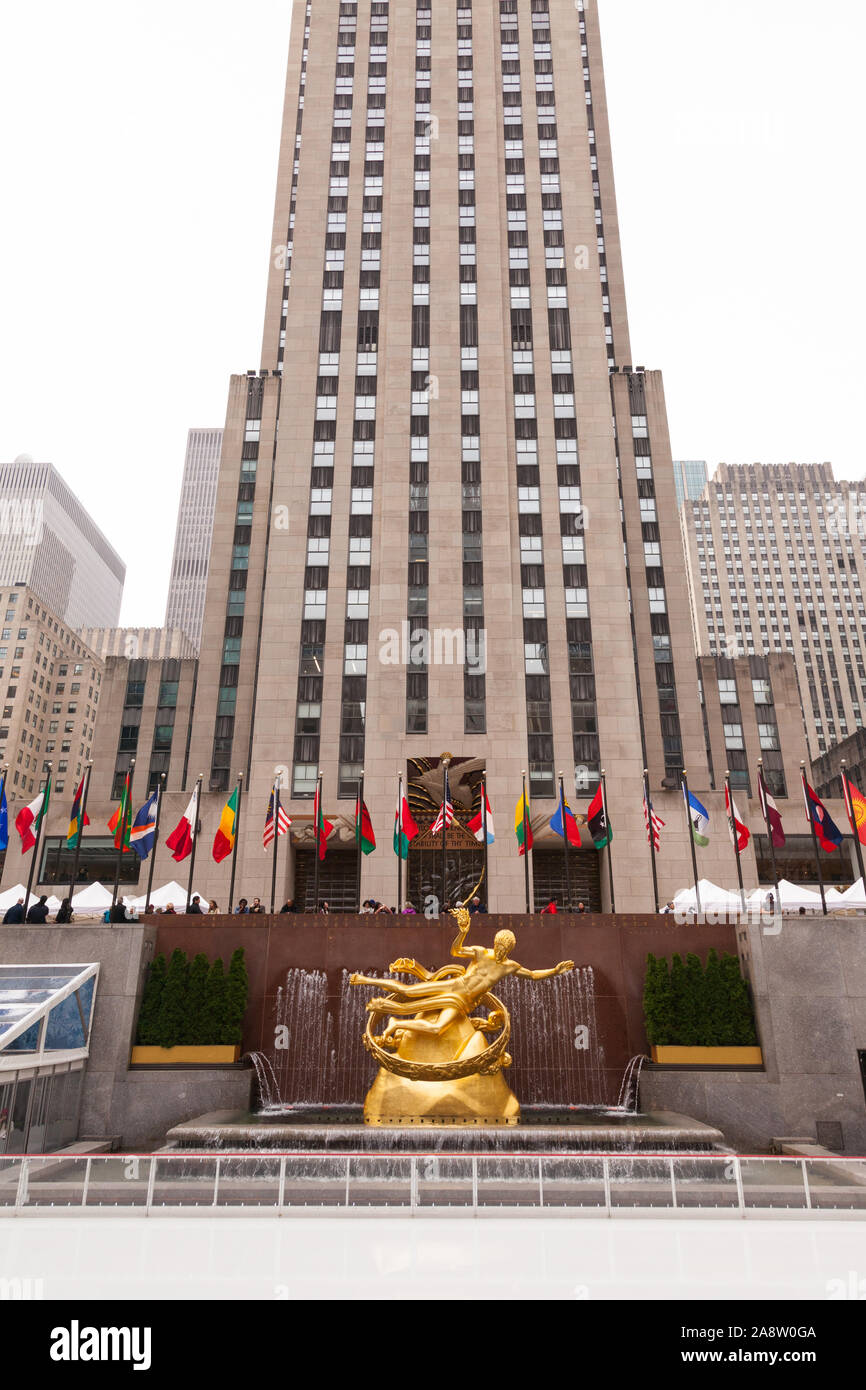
(311, 1087)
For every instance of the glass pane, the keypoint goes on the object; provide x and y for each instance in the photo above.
(184, 1182)
(118, 1181)
(249, 1182)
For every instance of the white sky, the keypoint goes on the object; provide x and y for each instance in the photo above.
(138, 167)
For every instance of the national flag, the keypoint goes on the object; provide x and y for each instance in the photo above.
(224, 840)
(142, 836)
(121, 821)
(364, 835)
(445, 817)
(476, 825)
(650, 819)
(564, 824)
(599, 827)
(181, 839)
(829, 835)
(735, 824)
(405, 829)
(855, 805)
(523, 825)
(770, 812)
(30, 817)
(699, 819)
(322, 827)
(283, 824)
(75, 822)
(4, 819)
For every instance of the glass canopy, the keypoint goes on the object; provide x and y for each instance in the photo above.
(45, 1013)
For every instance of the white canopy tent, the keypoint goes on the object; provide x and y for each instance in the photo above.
(853, 897)
(713, 899)
(10, 896)
(793, 896)
(92, 898)
(169, 893)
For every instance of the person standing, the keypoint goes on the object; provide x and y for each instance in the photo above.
(64, 912)
(15, 913)
(39, 911)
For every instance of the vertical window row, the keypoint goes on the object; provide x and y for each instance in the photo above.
(224, 726)
(474, 680)
(308, 714)
(290, 236)
(419, 447)
(356, 633)
(596, 190)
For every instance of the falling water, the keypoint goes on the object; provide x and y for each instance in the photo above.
(324, 1061)
(558, 1057)
(629, 1091)
(269, 1090)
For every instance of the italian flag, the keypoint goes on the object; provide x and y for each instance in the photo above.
(323, 827)
(180, 840)
(30, 817)
(405, 829)
(224, 840)
(523, 825)
(364, 828)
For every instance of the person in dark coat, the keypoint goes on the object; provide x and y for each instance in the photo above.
(64, 912)
(39, 911)
(195, 905)
(15, 913)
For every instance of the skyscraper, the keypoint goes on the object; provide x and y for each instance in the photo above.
(186, 591)
(49, 542)
(690, 479)
(446, 518)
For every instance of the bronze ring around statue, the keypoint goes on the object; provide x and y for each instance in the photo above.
(490, 1060)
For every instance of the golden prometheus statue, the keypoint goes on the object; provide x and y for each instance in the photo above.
(435, 1062)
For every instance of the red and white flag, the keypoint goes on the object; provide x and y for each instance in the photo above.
(27, 822)
(180, 840)
(743, 833)
(476, 825)
(651, 819)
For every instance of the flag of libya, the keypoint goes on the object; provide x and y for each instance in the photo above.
(364, 829)
(599, 827)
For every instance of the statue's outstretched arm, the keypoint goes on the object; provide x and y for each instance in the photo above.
(561, 969)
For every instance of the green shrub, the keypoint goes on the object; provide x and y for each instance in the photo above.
(213, 1017)
(657, 999)
(195, 1031)
(713, 1009)
(692, 1005)
(151, 1000)
(171, 1021)
(237, 989)
(741, 1018)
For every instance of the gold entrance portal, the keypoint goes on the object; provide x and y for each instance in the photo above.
(439, 1064)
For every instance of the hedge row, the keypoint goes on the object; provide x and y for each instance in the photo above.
(687, 1004)
(193, 1005)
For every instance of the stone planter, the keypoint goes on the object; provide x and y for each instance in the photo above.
(218, 1056)
(708, 1056)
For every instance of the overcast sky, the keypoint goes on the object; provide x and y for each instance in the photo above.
(137, 169)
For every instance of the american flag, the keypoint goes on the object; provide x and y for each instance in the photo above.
(283, 824)
(446, 813)
(650, 818)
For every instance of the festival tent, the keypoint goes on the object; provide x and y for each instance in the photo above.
(793, 896)
(10, 896)
(169, 893)
(713, 899)
(834, 897)
(853, 897)
(92, 898)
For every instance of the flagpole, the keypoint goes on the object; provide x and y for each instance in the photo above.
(38, 842)
(159, 792)
(652, 836)
(564, 844)
(609, 839)
(240, 788)
(814, 836)
(484, 832)
(525, 847)
(445, 762)
(732, 823)
(852, 820)
(4, 773)
(359, 813)
(276, 843)
(194, 838)
(685, 785)
(399, 823)
(124, 819)
(82, 811)
(317, 815)
(766, 809)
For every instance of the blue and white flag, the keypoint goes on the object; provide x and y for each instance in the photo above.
(142, 836)
(699, 819)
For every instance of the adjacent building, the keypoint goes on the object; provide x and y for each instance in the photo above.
(775, 562)
(690, 479)
(189, 567)
(50, 543)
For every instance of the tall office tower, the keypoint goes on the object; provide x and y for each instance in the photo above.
(50, 543)
(690, 479)
(184, 608)
(775, 562)
(446, 519)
